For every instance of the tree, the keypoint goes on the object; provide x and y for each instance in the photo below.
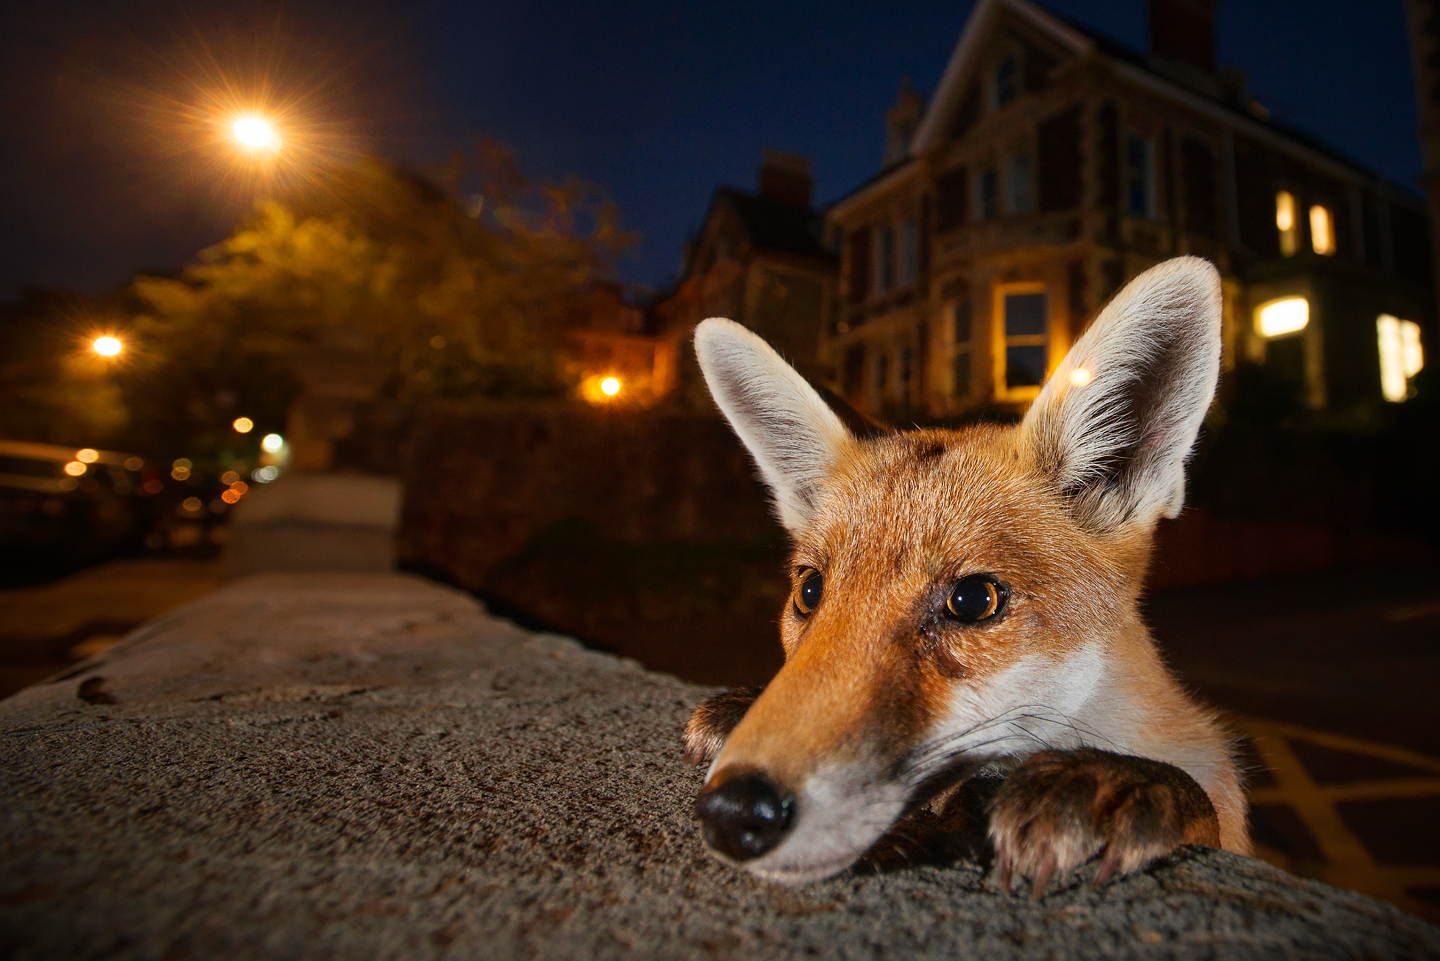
(461, 295)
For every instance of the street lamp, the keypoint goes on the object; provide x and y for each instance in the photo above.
(107, 346)
(256, 133)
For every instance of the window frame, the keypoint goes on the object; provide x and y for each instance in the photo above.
(1014, 178)
(884, 254)
(989, 176)
(961, 349)
(1002, 343)
(908, 253)
(998, 98)
(1147, 172)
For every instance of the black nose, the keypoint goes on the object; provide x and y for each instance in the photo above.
(744, 816)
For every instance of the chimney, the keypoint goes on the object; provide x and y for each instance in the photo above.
(1183, 31)
(785, 178)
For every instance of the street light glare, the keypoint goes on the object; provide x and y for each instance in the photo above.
(106, 346)
(254, 132)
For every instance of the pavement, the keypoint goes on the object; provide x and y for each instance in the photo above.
(317, 766)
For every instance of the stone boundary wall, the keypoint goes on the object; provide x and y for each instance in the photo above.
(319, 766)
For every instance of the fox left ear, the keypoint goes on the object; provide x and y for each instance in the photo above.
(1116, 422)
(790, 431)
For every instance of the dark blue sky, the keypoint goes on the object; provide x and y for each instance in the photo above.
(657, 102)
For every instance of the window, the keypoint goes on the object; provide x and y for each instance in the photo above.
(950, 199)
(1007, 81)
(1284, 316)
(1140, 176)
(1287, 222)
(885, 261)
(988, 202)
(960, 324)
(1401, 356)
(909, 252)
(1025, 339)
(1019, 196)
(907, 372)
(1322, 231)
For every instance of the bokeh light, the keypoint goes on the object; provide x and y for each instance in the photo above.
(75, 468)
(87, 455)
(272, 442)
(610, 386)
(107, 346)
(255, 132)
(243, 425)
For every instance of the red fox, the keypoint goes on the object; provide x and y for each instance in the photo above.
(967, 602)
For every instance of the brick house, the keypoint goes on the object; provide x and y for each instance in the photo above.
(759, 259)
(1053, 164)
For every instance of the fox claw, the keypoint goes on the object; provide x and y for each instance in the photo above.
(1059, 809)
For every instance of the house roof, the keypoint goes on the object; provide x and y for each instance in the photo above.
(772, 226)
(1130, 63)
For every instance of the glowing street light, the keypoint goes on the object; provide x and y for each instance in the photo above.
(610, 386)
(272, 443)
(107, 346)
(243, 425)
(254, 132)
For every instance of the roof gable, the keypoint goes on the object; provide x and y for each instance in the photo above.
(969, 56)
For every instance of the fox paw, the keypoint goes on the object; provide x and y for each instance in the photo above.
(1059, 809)
(713, 721)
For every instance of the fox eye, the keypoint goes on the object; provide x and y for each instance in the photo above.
(977, 598)
(807, 597)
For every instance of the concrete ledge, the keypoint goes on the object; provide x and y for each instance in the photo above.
(319, 766)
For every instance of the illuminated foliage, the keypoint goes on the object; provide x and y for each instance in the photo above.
(494, 277)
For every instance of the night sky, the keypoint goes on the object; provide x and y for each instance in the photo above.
(109, 161)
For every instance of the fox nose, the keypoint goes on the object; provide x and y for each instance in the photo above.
(744, 816)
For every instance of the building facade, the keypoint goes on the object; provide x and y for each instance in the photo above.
(759, 259)
(1052, 165)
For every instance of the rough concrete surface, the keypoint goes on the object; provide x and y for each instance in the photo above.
(316, 766)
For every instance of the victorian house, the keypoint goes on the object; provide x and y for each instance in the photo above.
(1053, 164)
(758, 259)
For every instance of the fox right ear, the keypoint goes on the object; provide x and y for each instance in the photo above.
(1116, 422)
(787, 427)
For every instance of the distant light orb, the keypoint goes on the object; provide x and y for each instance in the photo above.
(272, 442)
(106, 346)
(1080, 377)
(75, 468)
(87, 455)
(254, 132)
(610, 386)
(243, 425)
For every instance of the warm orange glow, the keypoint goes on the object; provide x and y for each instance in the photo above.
(243, 425)
(1322, 231)
(1283, 316)
(229, 496)
(610, 386)
(192, 504)
(75, 468)
(229, 477)
(272, 442)
(1286, 220)
(87, 455)
(180, 473)
(240, 488)
(1080, 377)
(1401, 355)
(107, 346)
(255, 132)
(133, 463)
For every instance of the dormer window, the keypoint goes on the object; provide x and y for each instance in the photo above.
(1007, 82)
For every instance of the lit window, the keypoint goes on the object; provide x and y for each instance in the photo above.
(988, 188)
(1401, 356)
(1283, 316)
(1140, 176)
(1007, 81)
(1025, 340)
(1019, 198)
(909, 252)
(960, 324)
(1322, 231)
(1287, 222)
(885, 261)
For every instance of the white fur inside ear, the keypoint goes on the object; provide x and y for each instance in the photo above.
(789, 430)
(1118, 419)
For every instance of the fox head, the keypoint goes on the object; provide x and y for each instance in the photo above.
(958, 597)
